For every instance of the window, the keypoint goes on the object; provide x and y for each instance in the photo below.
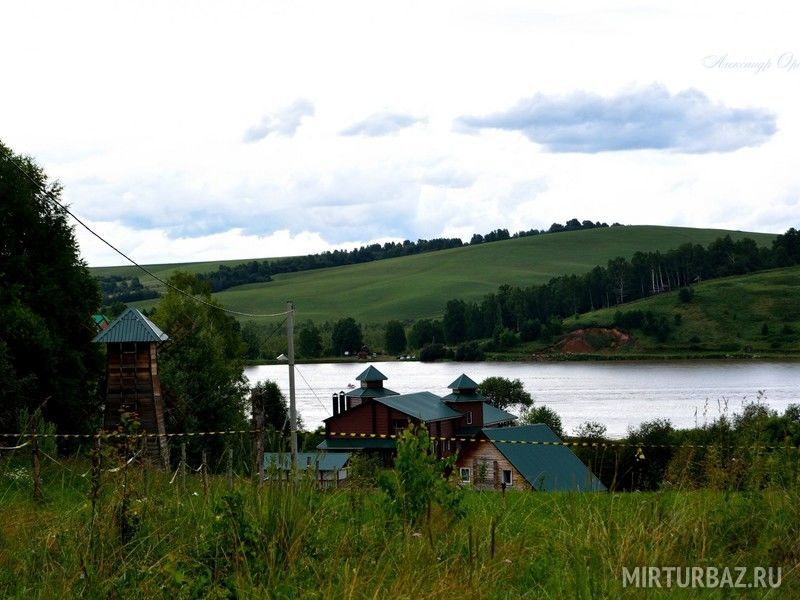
(507, 479)
(469, 417)
(466, 474)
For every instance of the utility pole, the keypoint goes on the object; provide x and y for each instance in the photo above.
(292, 407)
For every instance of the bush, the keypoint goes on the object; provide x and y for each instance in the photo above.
(469, 352)
(530, 330)
(686, 295)
(418, 479)
(508, 339)
(546, 415)
(432, 352)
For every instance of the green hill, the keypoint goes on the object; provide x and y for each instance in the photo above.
(757, 313)
(413, 287)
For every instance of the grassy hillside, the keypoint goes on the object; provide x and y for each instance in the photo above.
(417, 286)
(725, 315)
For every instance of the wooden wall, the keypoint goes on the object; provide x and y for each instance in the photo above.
(132, 385)
(475, 454)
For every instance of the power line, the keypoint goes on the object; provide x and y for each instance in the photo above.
(49, 195)
(320, 402)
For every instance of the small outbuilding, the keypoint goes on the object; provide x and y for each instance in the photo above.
(329, 469)
(524, 457)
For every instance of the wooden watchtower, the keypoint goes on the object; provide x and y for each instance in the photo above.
(132, 383)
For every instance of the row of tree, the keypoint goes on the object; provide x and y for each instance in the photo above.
(534, 310)
(127, 289)
(118, 288)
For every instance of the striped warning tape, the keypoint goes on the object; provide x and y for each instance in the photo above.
(574, 444)
(119, 434)
(387, 436)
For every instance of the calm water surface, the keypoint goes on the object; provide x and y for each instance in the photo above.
(620, 395)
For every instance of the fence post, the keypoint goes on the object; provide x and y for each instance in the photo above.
(204, 469)
(95, 490)
(230, 468)
(145, 473)
(183, 467)
(36, 466)
(260, 457)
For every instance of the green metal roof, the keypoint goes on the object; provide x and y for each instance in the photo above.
(130, 326)
(465, 397)
(492, 415)
(319, 461)
(424, 406)
(371, 374)
(546, 468)
(345, 443)
(463, 383)
(377, 392)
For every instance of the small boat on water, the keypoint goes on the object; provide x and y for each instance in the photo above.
(350, 386)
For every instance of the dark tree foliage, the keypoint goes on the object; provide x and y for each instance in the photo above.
(346, 336)
(116, 288)
(432, 352)
(425, 331)
(395, 337)
(47, 298)
(454, 322)
(310, 341)
(502, 392)
(469, 352)
(266, 398)
(201, 366)
(546, 415)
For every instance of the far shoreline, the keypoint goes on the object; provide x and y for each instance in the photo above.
(551, 358)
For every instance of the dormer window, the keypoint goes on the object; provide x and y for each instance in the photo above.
(469, 417)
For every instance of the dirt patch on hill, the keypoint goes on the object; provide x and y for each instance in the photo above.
(593, 340)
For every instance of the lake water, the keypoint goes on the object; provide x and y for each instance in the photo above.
(617, 394)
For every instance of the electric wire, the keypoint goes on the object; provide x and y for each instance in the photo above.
(50, 196)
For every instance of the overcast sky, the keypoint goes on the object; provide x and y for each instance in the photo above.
(210, 130)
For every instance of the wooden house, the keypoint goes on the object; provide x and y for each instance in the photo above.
(525, 458)
(132, 383)
(371, 414)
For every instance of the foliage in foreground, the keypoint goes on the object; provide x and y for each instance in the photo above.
(47, 298)
(296, 542)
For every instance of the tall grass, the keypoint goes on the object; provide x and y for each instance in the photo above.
(289, 540)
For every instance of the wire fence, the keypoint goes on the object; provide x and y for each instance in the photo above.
(217, 458)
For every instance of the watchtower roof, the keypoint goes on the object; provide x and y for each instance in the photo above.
(371, 374)
(463, 383)
(130, 326)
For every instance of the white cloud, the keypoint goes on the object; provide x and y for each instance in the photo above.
(282, 122)
(155, 145)
(644, 118)
(150, 246)
(382, 123)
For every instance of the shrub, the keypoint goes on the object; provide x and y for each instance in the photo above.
(546, 415)
(508, 339)
(686, 295)
(432, 352)
(469, 352)
(418, 479)
(530, 330)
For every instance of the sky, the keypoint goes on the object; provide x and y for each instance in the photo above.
(198, 130)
